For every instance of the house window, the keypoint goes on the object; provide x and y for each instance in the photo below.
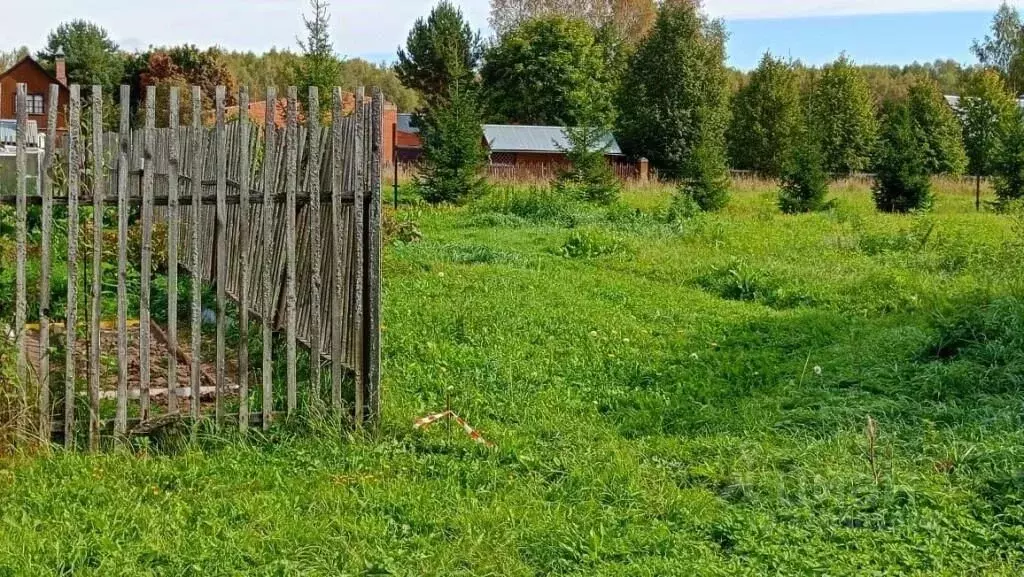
(33, 104)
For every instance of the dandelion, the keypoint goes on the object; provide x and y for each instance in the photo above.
(440, 274)
(593, 334)
(817, 370)
(695, 356)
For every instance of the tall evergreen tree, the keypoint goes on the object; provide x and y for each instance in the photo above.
(938, 128)
(548, 71)
(842, 118)
(766, 118)
(453, 153)
(673, 101)
(804, 182)
(319, 66)
(440, 50)
(902, 183)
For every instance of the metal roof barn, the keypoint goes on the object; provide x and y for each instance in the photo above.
(542, 139)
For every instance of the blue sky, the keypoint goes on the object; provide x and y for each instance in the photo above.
(815, 31)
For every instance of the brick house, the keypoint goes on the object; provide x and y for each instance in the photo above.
(38, 80)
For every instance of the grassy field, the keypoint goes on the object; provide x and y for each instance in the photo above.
(737, 394)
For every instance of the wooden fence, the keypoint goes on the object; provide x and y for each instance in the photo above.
(283, 221)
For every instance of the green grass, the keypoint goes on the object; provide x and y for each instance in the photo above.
(667, 399)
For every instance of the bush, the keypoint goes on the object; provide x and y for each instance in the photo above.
(804, 181)
(589, 177)
(1008, 164)
(591, 243)
(901, 183)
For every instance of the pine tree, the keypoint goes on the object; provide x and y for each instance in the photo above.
(439, 51)
(589, 176)
(453, 153)
(902, 183)
(766, 117)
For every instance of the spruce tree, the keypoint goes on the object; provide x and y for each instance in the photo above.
(902, 183)
(439, 51)
(804, 182)
(319, 67)
(453, 153)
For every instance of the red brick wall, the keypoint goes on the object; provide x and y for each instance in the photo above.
(38, 83)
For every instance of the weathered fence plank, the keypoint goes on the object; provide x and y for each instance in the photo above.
(71, 320)
(358, 212)
(315, 252)
(97, 190)
(244, 170)
(373, 279)
(338, 184)
(124, 143)
(289, 207)
(21, 212)
(269, 182)
(220, 244)
(46, 191)
(172, 248)
(146, 267)
(195, 172)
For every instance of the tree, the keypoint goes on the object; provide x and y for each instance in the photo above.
(549, 71)
(766, 118)
(902, 183)
(453, 152)
(984, 103)
(804, 181)
(91, 56)
(182, 66)
(1001, 50)
(630, 20)
(842, 118)
(318, 67)
(439, 51)
(9, 58)
(673, 99)
(1008, 159)
(938, 128)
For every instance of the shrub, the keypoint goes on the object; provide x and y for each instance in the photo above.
(1008, 164)
(804, 181)
(589, 177)
(709, 184)
(590, 244)
(901, 183)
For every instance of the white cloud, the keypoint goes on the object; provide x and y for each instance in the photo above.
(754, 9)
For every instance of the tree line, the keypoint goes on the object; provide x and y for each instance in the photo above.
(661, 84)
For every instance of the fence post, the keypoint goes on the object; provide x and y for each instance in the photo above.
(372, 309)
(359, 212)
(268, 260)
(45, 410)
(74, 165)
(315, 344)
(244, 169)
(220, 248)
(291, 136)
(337, 298)
(147, 251)
(98, 198)
(196, 179)
(21, 297)
(124, 142)
(173, 238)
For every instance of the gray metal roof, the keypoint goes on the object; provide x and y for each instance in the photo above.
(544, 139)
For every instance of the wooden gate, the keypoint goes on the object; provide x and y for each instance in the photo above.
(283, 221)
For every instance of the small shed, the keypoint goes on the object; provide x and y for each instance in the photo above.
(536, 146)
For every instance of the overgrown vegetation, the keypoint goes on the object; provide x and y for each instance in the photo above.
(746, 392)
